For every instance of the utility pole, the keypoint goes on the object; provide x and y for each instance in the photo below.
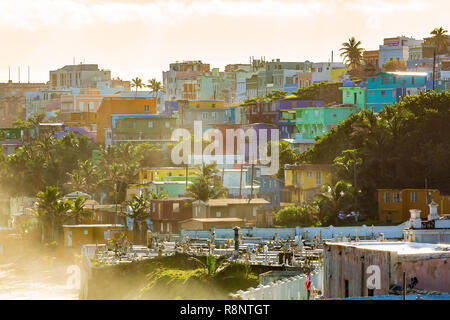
(240, 182)
(426, 191)
(251, 191)
(434, 66)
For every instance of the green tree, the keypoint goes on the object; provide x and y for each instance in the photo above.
(137, 83)
(139, 212)
(333, 200)
(52, 213)
(208, 185)
(352, 53)
(394, 65)
(440, 40)
(305, 216)
(155, 86)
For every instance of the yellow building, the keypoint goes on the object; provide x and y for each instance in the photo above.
(394, 204)
(163, 173)
(306, 180)
(207, 104)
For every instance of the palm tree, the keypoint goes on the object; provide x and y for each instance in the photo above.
(52, 213)
(440, 39)
(334, 199)
(207, 186)
(137, 83)
(155, 86)
(139, 212)
(352, 53)
(77, 211)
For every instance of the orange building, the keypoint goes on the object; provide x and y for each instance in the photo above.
(80, 110)
(394, 204)
(120, 105)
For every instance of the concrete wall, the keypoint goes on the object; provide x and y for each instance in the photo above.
(349, 264)
(390, 232)
(432, 274)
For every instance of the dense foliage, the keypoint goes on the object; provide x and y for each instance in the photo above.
(399, 147)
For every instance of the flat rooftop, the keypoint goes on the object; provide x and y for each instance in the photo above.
(400, 247)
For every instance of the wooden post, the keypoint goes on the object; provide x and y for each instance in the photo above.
(404, 285)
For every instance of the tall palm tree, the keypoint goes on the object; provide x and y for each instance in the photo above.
(207, 186)
(139, 212)
(440, 39)
(137, 83)
(352, 53)
(155, 86)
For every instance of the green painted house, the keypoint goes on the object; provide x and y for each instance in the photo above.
(175, 189)
(315, 122)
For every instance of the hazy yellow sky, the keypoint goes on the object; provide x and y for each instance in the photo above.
(141, 37)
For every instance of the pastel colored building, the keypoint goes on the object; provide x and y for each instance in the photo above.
(395, 204)
(315, 122)
(78, 76)
(168, 213)
(353, 94)
(306, 180)
(270, 189)
(151, 128)
(118, 105)
(391, 87)
(209, 112)
(80, 109)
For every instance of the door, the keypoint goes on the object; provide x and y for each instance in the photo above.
(69, 238)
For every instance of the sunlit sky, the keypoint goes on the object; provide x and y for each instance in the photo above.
(141, 37)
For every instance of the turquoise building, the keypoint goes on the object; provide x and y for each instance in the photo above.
(388, 88)
(353, 94)
(315, 122)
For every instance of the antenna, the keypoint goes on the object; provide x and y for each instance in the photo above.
(28, 74)
(9, 73)
(19, 74)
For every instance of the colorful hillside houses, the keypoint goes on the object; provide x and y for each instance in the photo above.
(270, 189)
(388, 88)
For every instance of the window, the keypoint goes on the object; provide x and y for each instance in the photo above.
(134, 124)
(167, 124)
(168, 227)
(386, 80)
(162, 227)
(412, 80)
(396, 197)
(348, 94)
(309, 174)
(205, 116)
(386, 197)
(318, 177)
(393, 93)
(213, 115)
(150, 124)
(81, 106)
(373, 79)
(197, 209)
(372, 93)
(383, 94)
(254, 211)
(413, 196)
(146, 108)
(218, 214)
(316, 113)
(370, 292)
(395, 80)
(176, 207)
(91, 107)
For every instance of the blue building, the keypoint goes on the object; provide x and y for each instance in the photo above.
(388, 88)
(269, 189)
